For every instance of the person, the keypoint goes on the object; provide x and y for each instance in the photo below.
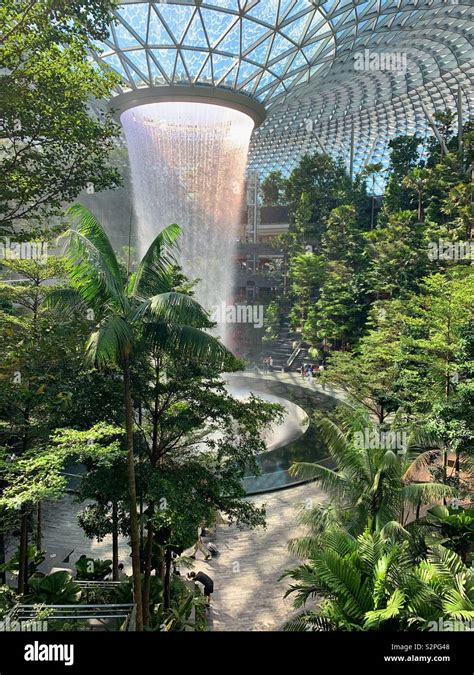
(121, 573)
(321, 373)
(201, 546)
(206, 581)
(270, 362)
(303, 370)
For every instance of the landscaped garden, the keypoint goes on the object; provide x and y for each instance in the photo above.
(114, 389)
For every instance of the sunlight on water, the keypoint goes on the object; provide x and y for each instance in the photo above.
(188, 162)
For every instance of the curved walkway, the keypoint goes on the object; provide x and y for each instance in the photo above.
(248, 595)
(293, 379)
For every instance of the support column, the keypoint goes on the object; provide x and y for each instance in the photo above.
(432, 124)
(351, 166)
(459, 102)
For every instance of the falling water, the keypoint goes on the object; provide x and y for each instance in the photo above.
(188, 162)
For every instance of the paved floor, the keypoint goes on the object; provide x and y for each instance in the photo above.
(290, 378)
(248, 595)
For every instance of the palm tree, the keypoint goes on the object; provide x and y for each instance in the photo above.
(453, 528)
(372, 170)
(418, 181)
(368, 486)
(372, 583)
(131, 309)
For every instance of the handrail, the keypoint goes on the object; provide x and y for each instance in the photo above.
(294, 355)
(105, 583)
(24, 615)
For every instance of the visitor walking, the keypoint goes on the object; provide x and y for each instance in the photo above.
(270, 362)
(321, 373)
(201, 546)
(206, 581)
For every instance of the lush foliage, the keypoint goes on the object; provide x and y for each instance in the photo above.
(51, 145)
(392, 318)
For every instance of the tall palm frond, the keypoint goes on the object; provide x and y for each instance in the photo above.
(91, 263)
(152, 274)
(109, 344)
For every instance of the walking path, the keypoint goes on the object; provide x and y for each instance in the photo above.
(248, 595)
(291, 378)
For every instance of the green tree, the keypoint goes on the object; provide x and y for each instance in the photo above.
(418, 182)
(372, 171)
(129, 310)
(196, 444)
(398, 256)
(273, 189)
(453, 528)
(325, 184)
(335, 316)
(306, 275)
(52, 146)
(372, 583)
(271, 323)
(404, 157)
(367, 487)
(39, 366)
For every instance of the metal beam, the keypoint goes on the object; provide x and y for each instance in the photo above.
(435, 129)
(459, 102)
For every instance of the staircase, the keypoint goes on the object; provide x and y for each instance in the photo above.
(282, 350)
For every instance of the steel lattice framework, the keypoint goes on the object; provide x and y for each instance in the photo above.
(297, 58)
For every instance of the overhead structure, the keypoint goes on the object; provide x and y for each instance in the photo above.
(322, 71)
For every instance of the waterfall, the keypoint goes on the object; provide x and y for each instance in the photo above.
(188, 162)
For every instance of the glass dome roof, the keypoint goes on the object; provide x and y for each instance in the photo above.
(296, 57)
(262, 48)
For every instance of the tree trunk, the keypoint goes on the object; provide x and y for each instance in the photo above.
(167, 584)
(3, 574)
(23, 553)
(457, 466)
(39, 525)
(115, 572)
(147, 578)
(132, 489)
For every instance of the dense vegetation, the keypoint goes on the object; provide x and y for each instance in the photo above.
(382, 290)
(104, 365)
(110, 366)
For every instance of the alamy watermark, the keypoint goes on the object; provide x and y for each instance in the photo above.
(8, 626)
(243, 314)
(382, 61)
(451, 625)
(24, 250)
(370, 439)
(451, 250)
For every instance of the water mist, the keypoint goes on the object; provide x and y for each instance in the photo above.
(188, 162)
